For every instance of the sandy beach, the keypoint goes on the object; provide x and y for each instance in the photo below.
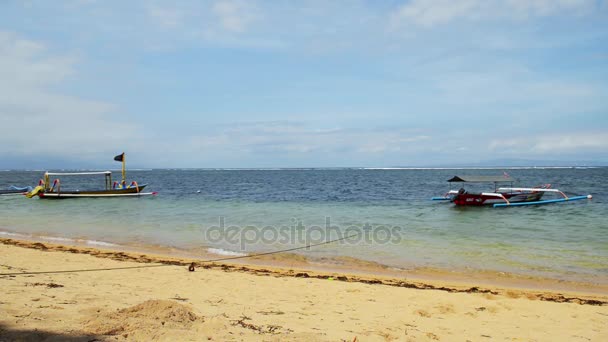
(150, 297)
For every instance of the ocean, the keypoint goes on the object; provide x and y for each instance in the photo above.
(385, 215)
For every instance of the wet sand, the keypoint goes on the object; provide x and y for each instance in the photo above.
(155, 297)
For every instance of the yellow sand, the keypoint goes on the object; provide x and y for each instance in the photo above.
(235, 303)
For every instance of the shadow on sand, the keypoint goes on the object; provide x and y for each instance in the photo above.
(14, 334)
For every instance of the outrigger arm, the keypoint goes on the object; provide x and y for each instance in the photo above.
(519, 204)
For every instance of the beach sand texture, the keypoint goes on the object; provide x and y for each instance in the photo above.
(244, 303)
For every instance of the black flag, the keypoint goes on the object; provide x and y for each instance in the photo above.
(119, 157)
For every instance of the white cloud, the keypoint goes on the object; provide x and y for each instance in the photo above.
(572, 142)
(258, 138)
(232, 23)
(166, 17)
(429, 13)
(511, 90)
(234, 15)
(38, 121)
(553, 144)
(548, 7)
(20, 65)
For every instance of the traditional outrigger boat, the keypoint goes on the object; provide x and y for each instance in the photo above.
(502, 196)
(48, 190)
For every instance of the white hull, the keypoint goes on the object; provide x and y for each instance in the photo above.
(60, 195)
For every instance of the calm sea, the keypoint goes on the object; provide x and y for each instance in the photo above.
(388, 211)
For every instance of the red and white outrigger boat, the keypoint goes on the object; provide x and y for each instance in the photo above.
(502, 196)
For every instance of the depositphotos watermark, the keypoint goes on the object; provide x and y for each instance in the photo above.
(300, 234)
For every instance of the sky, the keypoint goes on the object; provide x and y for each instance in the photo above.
(231, 83)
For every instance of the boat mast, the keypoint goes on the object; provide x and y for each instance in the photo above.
(121, 158)
(124, 171)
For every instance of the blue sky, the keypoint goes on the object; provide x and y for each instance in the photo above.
(232, 83)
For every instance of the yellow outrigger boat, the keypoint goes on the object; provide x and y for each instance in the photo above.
(48, 190)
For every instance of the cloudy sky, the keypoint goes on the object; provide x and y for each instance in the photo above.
(232, 83)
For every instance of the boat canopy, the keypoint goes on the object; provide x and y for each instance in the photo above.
(481, 179)
(78, 173)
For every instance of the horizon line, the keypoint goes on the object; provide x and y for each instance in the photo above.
(497, 167)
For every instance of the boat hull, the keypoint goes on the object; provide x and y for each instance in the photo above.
(128, 192)
(475, 200)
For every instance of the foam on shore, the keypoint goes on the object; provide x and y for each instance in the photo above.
(224, 252)
(57, 239)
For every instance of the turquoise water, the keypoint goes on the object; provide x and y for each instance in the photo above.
(397, 224)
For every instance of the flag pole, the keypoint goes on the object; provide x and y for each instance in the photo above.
(124, 178)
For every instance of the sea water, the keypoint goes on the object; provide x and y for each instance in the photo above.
(386, 212)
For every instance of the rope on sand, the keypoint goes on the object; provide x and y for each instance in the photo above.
(191, 266)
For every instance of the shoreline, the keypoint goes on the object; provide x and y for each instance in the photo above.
(494, 283)
(594, 283)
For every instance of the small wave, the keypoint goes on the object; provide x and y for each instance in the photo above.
(220, 251)
(86, 242)
(100, 243)
(13, 234)
(53, 238)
